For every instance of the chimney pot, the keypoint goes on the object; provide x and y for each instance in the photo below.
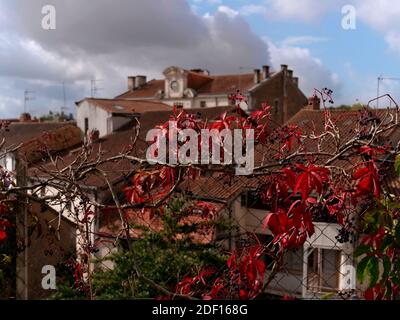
(256, 76)
(284, 67)
(290, 73)
(25, 117)
(265, 72)
(131, 83)
(296, 81)
(314, 103)
(140, 81)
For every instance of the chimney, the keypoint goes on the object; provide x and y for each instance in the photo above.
(265, 72)
(25, 117)
(131, 83)
(256, 76)
(284, 67)
(140, 81)
(290, 73)
(295, 81)
(314, 103)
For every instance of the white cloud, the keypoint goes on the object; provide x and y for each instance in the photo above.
(228, 11)
(293, 10)
(393, 40)
(251, 9)
(118, 39)
(312, 72)
(302, 40)
(384, 16)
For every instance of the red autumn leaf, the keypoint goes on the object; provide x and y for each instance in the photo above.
(371, 151)
(3, 235)
(292, 228)
(288, 135)
(264, 113)
(367, 180)
(311, 178)
(149, 186)
(374, 293)
(374, 239)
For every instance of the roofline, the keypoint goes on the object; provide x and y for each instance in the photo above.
(146, 100)
(264, 81)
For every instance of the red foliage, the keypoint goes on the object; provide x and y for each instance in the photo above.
(311, 178)
(4, 224)
(367, 180)
(248, 271)
(290, 229)
(375, 293)
(150, 186)
(375, 239)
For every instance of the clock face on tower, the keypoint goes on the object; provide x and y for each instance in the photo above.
(174, 86)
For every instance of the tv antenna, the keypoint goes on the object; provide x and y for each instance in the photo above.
(380, 79)
(28, 96)
(94, 88)
(64, 106)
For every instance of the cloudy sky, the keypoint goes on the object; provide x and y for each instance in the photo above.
(109, 40)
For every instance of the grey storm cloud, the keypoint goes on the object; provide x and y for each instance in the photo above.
(111, 39)
(148, 34)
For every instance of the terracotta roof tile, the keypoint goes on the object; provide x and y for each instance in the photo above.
(111, 226)
(19, 132)
(212, 84)
(54, 141)
(121, 106)
(226, 84)
(115, 143)
(149, 90)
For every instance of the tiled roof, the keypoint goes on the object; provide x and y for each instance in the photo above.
(226, 84)
(115, 143)
(54, 141)
(121, 106)
(150, 89)
(110, 224)
(19, 132)
(214, 187)
(212, 84)
(346, 121)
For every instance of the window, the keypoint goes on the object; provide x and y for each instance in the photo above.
(179, 105)
(323, 270)
(252, 200)
(86, 125)
(293, 261)
(203, 104)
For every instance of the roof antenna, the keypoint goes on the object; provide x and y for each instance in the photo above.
(94, 88)
(28, 96)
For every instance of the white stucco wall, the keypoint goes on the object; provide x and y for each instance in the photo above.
(97, 118)
(7, 161)
(286, 282)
